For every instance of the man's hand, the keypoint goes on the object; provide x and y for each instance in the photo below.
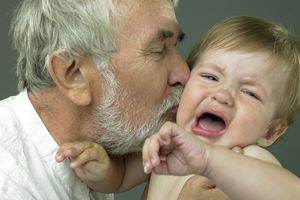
(89, 160)
(201, 188)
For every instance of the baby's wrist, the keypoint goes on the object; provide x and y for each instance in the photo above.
(207, 160)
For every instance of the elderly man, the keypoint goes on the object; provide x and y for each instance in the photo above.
(104, 71)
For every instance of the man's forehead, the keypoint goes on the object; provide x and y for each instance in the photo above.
(153, 20)
(139, 8)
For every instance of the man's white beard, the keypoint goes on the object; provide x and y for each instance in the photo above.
(119, 135)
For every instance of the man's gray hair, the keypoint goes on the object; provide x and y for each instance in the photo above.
(175, 2)
(81, 27)
(40, 27)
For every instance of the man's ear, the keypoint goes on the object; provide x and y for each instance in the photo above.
(69, 75)
(276, 129)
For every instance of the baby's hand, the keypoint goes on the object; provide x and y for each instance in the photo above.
(174, 151)
(89, 160)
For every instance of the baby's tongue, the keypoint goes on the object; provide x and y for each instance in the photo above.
(213, 124)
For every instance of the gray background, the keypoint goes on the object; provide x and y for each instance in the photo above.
(195, 18)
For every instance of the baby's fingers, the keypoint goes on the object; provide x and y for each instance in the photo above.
(90, 154)
(152, 150)
(72, 150)
(150, 154)
(146, 157)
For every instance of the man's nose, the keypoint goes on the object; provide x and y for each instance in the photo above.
(179, 71)
(223, 96)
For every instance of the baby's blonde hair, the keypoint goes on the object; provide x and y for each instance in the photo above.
(250, 34)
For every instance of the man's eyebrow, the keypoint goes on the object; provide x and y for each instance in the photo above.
(163, 35)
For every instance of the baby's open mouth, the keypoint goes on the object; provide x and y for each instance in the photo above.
(211, 123)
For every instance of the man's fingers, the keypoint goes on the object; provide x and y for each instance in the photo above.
(197, 187)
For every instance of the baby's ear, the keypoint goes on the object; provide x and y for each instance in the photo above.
(276, 129)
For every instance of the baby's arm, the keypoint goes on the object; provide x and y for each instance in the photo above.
(101, 173)
(239, 176)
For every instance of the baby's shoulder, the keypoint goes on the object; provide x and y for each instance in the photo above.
(258, 152)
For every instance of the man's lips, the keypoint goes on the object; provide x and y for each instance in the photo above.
(170, 114)
(174, 109)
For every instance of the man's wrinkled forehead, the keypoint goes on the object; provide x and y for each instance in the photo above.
(155, 20)
(168, 11)
(166, 8)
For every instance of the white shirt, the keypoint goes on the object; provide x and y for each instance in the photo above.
(28, 169)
